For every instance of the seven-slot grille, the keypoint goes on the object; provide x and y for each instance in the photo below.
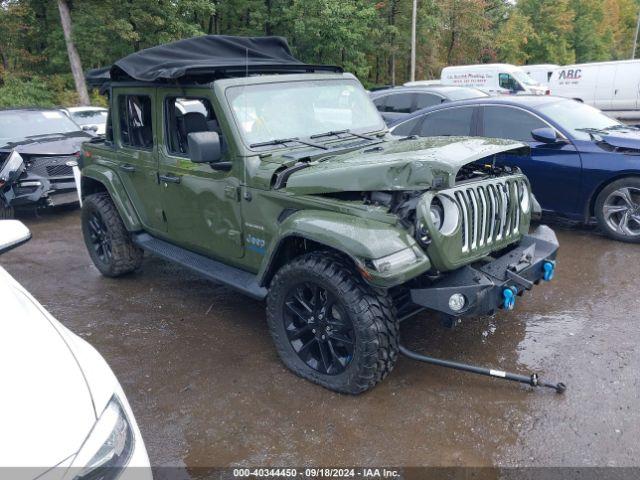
(52, 166)
(490, 212)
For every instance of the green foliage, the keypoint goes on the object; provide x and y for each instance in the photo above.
(588, 39)
(552, 23)
(19, 92)
(368, 37)
(514, 36)
(333, 32)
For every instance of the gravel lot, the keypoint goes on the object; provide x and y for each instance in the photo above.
(207, 388)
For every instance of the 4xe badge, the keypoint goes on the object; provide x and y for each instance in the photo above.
(256, 244)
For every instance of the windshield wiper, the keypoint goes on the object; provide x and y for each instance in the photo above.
(335, 133)
(282, 141)
(620, 127)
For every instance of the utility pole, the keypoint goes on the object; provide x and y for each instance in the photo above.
(635, 38)
(413, 40)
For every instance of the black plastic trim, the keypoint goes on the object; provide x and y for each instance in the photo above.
(212, 269)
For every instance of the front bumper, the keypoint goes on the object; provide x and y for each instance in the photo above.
(32, 189)
(483, 286)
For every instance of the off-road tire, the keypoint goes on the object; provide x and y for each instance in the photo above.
(125, 257)
(370, 310)
(6, 213)
(632, 182)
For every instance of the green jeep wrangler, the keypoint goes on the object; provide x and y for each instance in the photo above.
(279, 179)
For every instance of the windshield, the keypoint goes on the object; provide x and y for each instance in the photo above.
(90, 117)
(465, 93)
(16, 125)
(574, 116)
(271, 111)
(524, 78)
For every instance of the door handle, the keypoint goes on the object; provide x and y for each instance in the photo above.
(169, 178)
(127, 167)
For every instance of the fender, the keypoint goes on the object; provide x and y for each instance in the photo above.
(114, 187)
(359, 238)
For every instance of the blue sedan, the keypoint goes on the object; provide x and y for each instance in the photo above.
(583, 164)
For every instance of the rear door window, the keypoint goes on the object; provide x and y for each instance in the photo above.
(509, 122)
(399, 103)
(424, 100)
(450, 121)
(134, 115)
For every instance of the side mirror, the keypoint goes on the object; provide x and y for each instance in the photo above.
(204, 147)
(544, 135)
(90, 128)
(12, 234)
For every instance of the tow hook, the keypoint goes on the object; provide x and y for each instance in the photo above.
(549, 268)
(509, 297)
(531, 379)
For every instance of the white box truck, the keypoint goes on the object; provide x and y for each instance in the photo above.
(609, 86)
(493, 78)
(541, 73)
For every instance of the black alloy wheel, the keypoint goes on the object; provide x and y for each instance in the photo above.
(329, 326)
(318, 328)
(99, 237)
(108, 242)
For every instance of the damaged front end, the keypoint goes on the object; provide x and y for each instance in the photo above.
(11, 168)
(43, 181)
(467, 248)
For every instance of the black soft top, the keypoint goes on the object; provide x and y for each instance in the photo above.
(205, 58)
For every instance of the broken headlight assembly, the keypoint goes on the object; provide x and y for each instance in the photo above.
(443, 216)
(108, 448)
(11, 169)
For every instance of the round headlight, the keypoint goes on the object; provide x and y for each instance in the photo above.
(437, 214)
(445, 214)
(525, 198)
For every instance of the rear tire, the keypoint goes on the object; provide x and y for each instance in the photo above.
(345, 337)
(617, 210)
(6, 213)
(107, 240)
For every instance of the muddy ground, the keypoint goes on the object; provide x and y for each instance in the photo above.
(207, 388)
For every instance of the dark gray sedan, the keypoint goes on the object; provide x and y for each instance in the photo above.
(398, 102)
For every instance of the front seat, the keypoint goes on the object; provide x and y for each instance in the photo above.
(194, 122)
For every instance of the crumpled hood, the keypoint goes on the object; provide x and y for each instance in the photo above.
(63, 145)
(396, 165)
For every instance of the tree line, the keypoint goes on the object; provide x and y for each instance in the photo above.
(367, 37)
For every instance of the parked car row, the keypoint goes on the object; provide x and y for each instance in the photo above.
(610, 86)
(583, 164)
(396, 103)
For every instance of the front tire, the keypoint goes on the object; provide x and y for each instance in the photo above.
(107, 240)
(329, 326)
(617, 210)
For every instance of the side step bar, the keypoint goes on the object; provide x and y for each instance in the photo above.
(209, 268)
